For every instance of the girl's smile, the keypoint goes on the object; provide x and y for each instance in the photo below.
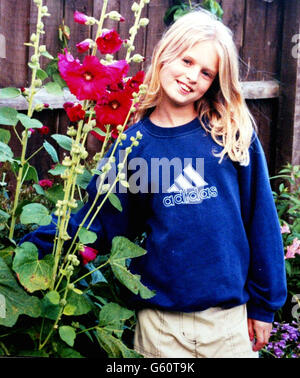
(186, 78)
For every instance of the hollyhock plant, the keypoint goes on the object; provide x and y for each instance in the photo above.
(114, 109)
(75, 112)
(132, 84)
(109, 42)
(84, 46)
(46, 184)
(44, 130)
(80, 18)
(85, 80)
(88, 254)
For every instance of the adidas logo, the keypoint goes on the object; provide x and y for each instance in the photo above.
(189, 189)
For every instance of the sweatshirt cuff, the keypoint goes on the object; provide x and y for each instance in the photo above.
(259, 313)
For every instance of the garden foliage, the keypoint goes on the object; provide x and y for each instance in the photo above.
(68, 303)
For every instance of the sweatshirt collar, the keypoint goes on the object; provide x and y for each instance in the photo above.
(171, 131)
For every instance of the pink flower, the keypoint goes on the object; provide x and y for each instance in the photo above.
(87, 81)
(114, 109)
(134, 83)
(75, 113)
(44, 130)
(109, 42)
(83, 46)
(285, 229)
(80, 18)
(88, 254)
(293, 249)
(45, 184)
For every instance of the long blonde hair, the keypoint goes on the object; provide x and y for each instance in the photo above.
(229, 120)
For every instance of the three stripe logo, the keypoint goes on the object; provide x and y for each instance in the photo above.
(189, 179)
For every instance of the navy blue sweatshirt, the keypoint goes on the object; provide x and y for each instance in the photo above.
(213, 235)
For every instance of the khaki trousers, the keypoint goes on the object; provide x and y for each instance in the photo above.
(213, 333)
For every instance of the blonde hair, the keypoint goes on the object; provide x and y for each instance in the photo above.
(229, 120)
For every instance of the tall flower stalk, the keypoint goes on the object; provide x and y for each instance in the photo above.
(34, 65)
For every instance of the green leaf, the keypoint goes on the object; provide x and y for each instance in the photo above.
(6, 153)
(114, 200)
(9, 92)
(84, 179)
(8, 116)
(41, 74)
(59, 80)
(47, 55)
(86, 236)
(18, 302)
(99, 131)
(53, 297)
(39, 189)
(122, 249)
(4, 136)
(55, 193)
(67, 334)
(29, 172)
(113, 346)
(29, 123)
(65, 352)
(35, 213)
(57, 170)
(51, 151)
(34, 274)
(49, 309)
(80, 303)
(112, 317)
(63, 141)
(54, 89)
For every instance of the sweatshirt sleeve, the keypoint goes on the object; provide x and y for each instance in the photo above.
(108, 223)
(266, 283)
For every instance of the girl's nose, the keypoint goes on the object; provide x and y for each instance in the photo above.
(193, 74)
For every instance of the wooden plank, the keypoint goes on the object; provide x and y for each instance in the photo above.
(78, 32)
(156, 26)
(288, 138)
(233, 17)
(14, 27)
(139, 43)
(251, 90)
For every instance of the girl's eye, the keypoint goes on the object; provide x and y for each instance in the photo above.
(186, 61)
(206, 73)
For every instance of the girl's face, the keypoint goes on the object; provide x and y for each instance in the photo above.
(186, 79)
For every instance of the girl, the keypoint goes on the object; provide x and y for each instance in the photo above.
(214, 249)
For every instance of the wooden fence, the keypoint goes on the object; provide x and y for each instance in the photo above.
(264, 33)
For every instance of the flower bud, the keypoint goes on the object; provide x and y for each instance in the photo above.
(144, 21)
(114, 15)
(139, 135)
(71, 131)
(137, 58)
(67, 162)
(135, 7)
(123, 137)
(33, 37)
(62, 302)
(135, 143)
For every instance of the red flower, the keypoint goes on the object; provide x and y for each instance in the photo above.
(86, 81)
(114, 109)
(83, 46)
(109, 42)
(132, 85)
(45, 184)
(118, 70)
(80, 18)
(44, 130)
(88, 254)
(75, 113)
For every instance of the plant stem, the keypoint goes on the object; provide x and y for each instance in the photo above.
(135, 29)
(25, 132)
(100, 24)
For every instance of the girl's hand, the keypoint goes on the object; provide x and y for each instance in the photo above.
(260, 331)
